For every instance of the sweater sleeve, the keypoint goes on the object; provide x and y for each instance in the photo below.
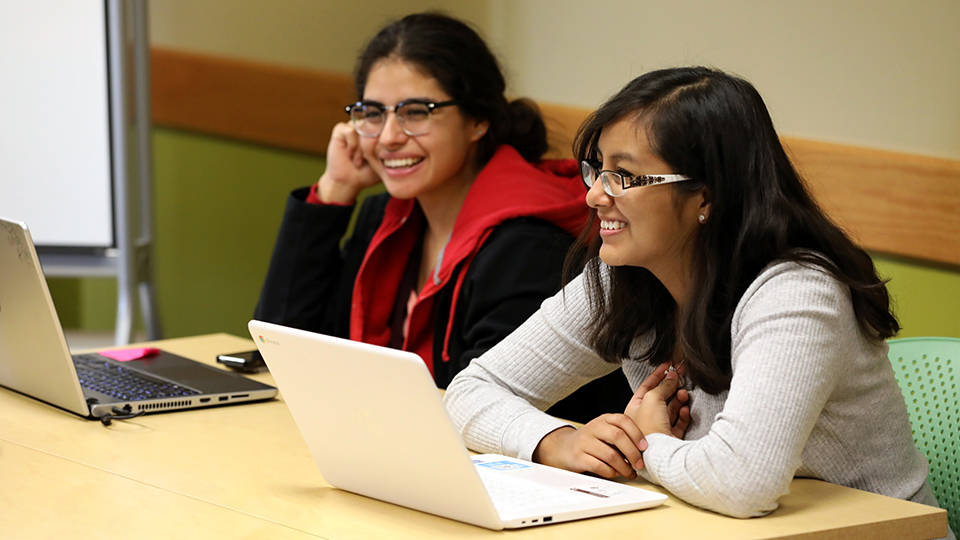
(497, 402)
(300, 289)
(518, 267)
(790, 334)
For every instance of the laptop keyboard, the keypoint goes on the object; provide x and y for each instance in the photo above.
(514, 495)
(121, 383)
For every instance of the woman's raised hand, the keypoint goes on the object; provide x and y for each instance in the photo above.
(608, 446)
(659, 405)
(348, 173)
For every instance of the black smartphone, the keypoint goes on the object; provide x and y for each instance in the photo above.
(247, 361)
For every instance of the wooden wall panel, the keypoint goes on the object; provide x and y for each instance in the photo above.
(250, 101)
(900, 204)
(562, 124)
(896, 203)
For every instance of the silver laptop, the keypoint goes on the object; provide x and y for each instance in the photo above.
(376, 425)
(35, 360)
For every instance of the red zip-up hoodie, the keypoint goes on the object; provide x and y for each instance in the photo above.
(508, 187)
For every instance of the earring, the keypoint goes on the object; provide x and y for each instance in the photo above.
(702, 218)
(480, 132)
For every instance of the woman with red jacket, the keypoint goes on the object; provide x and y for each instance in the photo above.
(471, 233)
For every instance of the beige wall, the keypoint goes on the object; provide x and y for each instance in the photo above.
(317, 34)
(878, 73)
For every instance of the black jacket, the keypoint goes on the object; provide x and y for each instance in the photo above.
(310, 282)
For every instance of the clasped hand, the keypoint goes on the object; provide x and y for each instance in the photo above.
(612, 445)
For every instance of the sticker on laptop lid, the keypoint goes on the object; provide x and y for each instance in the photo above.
(503, 465)
(14, 239)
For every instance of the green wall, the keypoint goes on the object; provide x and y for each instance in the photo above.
(218, 205)
(926, 298)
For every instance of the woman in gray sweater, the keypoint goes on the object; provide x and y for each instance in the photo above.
(750, 326)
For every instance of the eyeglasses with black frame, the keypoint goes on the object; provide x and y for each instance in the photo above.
(413, 115)
(615, 183)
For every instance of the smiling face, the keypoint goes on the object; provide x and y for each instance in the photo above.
(434, 165)
(653, 227)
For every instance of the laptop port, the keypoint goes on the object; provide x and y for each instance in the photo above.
(223, 398)
(204, 400)
(548, 519)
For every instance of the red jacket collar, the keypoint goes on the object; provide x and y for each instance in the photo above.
(508, 187)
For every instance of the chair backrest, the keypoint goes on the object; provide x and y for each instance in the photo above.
(927, 370)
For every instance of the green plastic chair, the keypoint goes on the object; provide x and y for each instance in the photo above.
(927, 370)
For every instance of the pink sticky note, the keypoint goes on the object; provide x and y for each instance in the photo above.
(125, 355)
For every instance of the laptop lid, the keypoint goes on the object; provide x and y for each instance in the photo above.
(35, 359)
(375, 424)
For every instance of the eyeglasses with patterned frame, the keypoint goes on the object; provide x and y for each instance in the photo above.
(413, 115)
(615, 183)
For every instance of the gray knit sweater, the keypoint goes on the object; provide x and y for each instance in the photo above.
(810, 397)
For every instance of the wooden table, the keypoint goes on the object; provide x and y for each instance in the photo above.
(243, 471)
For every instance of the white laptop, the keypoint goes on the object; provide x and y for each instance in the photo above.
(35, 360)
(376, 425)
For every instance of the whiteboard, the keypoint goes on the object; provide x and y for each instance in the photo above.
(55, 172)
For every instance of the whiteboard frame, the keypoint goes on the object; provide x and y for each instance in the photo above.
(131, 258)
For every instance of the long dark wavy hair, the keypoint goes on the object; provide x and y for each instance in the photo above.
(715, 128)
(457, 57)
